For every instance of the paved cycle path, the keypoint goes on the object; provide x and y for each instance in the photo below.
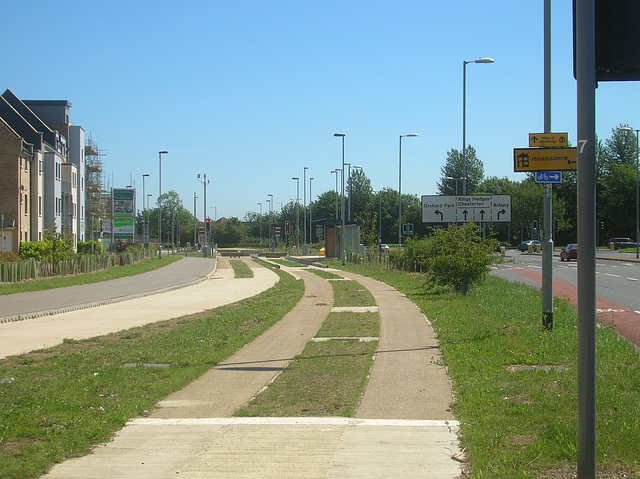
(403, 427)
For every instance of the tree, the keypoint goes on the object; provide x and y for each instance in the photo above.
(452, 172)
(360, 192)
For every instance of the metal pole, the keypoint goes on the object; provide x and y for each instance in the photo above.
(144, 211)
(342, 249)
(637, 199)
(160, 153)
(400, 192)
(260, 223)
(547, 240)
(464, 127)
(586, 76)
(195, 220)
(310, 216)
(304, 209)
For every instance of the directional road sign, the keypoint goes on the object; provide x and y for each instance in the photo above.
(464, 209)
(545, 159)
(548, 139)
(548, 177)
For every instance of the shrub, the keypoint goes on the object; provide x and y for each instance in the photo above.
(458, 257)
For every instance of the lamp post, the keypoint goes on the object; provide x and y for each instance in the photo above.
(144, 211)
(410, 135)
(260, 222)
(628, 128)
(160, 153)
(297, 215)
(336, 171)
(350, 186)
(205, 182)
(342, 250)
(310, 217)
(271, 239)
(464, 117)
(195, 220)
(456, 180)
(304, 209)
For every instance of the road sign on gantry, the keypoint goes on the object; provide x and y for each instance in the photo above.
(545, 159)
(467, 208)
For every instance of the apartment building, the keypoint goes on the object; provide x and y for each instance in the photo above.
(42, 165)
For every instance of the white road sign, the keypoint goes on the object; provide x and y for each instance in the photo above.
(464, 209)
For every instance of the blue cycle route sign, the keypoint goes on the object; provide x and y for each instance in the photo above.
(548, 177)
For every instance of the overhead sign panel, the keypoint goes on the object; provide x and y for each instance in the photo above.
(466, 208)
(548, 139)
(545, 159)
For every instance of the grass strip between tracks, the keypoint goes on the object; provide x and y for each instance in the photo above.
(327, 378)
(58, 402)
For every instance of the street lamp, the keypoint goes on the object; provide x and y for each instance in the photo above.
(260, 222)
(464, 117)
(310, 217)
(297, 215)
(336, 171)
(160, 153)
(195, 220)
(304, 209)
(410, 135)
(205, 182)
(456, 180)
(144, 211)
(350, 185)
(342, 223)
(628, 128)
(271, 238)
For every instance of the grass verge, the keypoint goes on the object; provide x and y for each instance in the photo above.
(116, 272)
(516, 384)
(57, 403)
(241, 269)
(348, 293)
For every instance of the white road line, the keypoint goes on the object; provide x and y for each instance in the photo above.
(633, 279)
(613, 275)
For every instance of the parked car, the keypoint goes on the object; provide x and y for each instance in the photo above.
(524, 246)
(569, 252)
(384, 248)
(619, 243)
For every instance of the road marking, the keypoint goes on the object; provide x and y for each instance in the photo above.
(633, 279)
(613, 275)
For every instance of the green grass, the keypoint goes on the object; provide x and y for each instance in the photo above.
(325, 274)
(241, 269)
(524, 424)
(350, 325)
(325, 379)
(286, 262)
(115, 272)
(59, 402)
(347, 293)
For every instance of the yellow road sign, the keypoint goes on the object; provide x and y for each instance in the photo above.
(545, 159)
(548, 139)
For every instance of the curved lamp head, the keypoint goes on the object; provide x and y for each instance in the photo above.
(484, 60)
(339, 134)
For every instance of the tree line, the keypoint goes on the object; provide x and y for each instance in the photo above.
(377, 211)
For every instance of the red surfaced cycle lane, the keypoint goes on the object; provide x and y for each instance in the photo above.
(623, 320)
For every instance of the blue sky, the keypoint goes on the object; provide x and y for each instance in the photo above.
(250, 92)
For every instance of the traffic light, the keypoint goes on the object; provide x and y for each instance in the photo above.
(410, 228)
(287, 227)
(207, 226)
(534, 225)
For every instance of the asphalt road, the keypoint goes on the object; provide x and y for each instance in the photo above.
(181, 273)
(617, 274)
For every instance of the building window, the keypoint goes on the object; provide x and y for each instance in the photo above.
(39, 205)
(26, 204)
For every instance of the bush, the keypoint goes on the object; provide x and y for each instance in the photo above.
(458, 257)
(85, 247)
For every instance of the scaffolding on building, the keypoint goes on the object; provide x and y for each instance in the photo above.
(96, 207)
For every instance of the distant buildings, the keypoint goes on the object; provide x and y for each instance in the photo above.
(50, 175)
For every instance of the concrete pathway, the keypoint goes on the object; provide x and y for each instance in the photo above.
(402, 429)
